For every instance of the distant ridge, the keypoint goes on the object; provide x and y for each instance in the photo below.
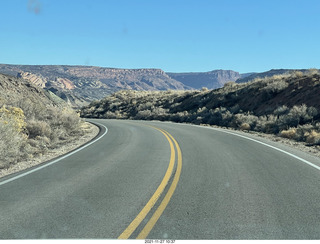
(211, 80)
(79, 85)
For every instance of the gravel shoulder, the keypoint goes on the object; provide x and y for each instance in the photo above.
(91, 131)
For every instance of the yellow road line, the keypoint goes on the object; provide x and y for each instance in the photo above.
(135, 223)
(149, 226)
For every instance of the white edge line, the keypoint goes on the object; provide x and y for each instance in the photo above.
(57, 160)
(248, 138)
(265, 144)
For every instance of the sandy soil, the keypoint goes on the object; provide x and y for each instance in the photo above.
(91, 132)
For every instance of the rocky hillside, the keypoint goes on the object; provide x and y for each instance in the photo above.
(212, 79)
(287, 105)
(79, 85)
(17, 90)
(33, 122)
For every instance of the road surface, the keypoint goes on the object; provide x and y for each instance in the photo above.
(159, 180)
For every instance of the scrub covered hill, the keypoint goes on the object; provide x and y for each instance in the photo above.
(287, 105)
(33, 121)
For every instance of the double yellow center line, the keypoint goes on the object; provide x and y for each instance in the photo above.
(155, 197)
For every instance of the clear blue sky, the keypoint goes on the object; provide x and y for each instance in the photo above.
(173, 35)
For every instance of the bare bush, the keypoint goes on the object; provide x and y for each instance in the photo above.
(290, 134)
(37, 128)
(313, 137)
(245, 126)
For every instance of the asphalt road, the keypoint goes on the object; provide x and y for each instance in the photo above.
(168, 181)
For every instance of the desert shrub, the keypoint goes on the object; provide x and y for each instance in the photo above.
(230, 84)
(39, 145)
(313, 137)
(204, 89)
(297, 134)
(281, 110)
(159, 111)
(219, 116)
(245, 126)
(70, 121)
(261, 123)
(313, 71)
(297, 74)
(267, 124)
(145, 114)
(30, 132)
(109, 115)
(290, 133)
(227, 117)
(244, 118)
(145, 106)
(312, 112)
(271, 127)
(13, 116)
(299, 114)
(275, 86)
(11, 135)
(37, 128)
(235, 109)
(180, 116)
(10, 143)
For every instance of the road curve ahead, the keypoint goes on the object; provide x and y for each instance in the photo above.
(166, 181)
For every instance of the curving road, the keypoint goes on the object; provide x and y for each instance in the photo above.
(166, 181)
